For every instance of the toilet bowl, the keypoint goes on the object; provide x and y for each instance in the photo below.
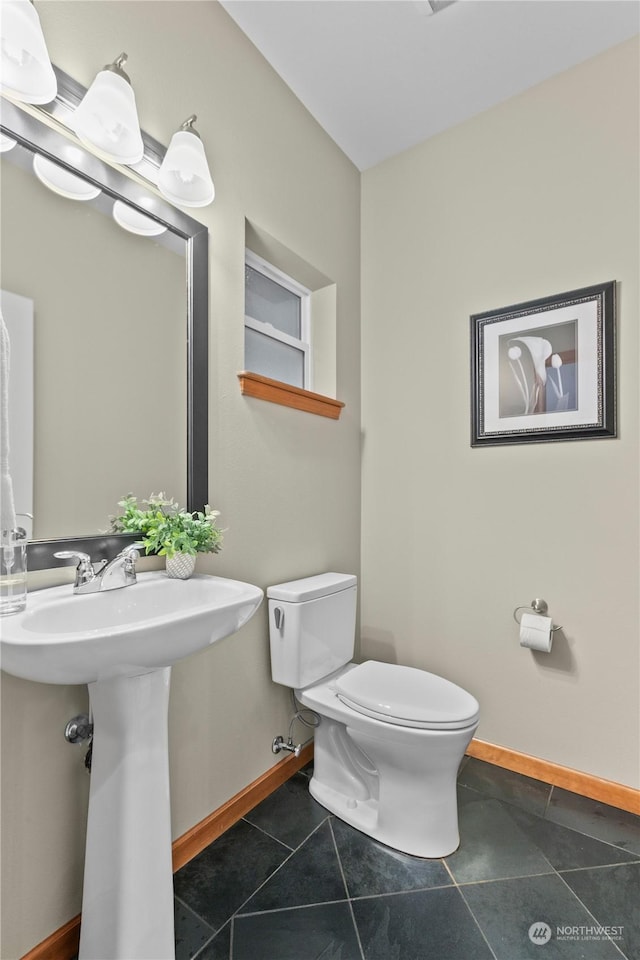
(391, 738)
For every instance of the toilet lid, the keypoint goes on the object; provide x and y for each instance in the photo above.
(407, 697)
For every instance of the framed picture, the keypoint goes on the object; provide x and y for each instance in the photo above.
(545, 370)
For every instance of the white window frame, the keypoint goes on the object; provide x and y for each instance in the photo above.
(268, 330)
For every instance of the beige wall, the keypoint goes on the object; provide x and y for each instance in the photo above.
(287, 483)
(534, 197)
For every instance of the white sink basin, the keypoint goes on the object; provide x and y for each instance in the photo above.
(63, 637)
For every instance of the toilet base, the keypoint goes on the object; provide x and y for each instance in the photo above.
(364, 816)
(396, 785)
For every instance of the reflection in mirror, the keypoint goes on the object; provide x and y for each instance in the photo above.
(110, 395)
(17, 313)
(119, 301)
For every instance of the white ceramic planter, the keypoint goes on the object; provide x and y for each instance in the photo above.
(180, 566)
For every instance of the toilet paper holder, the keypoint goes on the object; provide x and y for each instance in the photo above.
(538, 606)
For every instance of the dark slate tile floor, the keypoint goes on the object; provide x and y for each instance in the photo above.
(540, 873)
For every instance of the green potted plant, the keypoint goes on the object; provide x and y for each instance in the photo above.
(168, 531)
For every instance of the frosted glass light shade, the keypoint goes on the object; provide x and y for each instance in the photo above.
(107, 119)
(136, 222)
(62, 181)
(184, 176)
(26, 73)
(6, 143)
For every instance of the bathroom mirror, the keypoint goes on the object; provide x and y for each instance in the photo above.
(121, 348)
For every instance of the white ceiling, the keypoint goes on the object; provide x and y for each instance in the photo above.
(383, 75)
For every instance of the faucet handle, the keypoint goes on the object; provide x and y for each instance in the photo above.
(132, 550)
(130, 554)
(84, 570)
(82, 558)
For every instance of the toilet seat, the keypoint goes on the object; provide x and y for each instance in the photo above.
(406, 697)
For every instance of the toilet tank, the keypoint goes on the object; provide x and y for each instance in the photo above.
(312, 624)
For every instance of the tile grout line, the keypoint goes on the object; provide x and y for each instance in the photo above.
(475, 920)
(547, 805)
(446, 886)
(272, 875)
(185, 905)
(297, 906)
(597, 922)
(204, 946)
(202, 920)
(270, 835)
(346, 890)
(599, 866)
(443, 861)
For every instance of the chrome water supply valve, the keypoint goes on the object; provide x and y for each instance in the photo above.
(279, 744)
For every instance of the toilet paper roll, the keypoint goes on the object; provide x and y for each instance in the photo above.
(535, 632)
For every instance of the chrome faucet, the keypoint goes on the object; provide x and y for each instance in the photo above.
(110, 575)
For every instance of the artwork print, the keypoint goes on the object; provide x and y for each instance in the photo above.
(545, 369)
(538, 370)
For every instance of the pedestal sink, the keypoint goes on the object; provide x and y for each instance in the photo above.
(122, 643)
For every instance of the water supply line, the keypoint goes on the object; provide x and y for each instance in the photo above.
(311, 720)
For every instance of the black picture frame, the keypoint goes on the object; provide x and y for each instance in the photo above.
(545, 370)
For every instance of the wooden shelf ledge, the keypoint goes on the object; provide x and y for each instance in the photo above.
(264, 388)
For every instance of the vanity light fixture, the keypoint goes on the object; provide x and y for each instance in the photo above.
(62, 181)
(106, 119)
(184, 176)
(136, 222)
(26, 73)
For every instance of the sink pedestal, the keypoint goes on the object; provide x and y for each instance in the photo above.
(127, 906)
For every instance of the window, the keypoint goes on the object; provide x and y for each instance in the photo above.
(290, 328)
(277, 335)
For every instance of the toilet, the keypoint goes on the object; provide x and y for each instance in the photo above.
(390, 739)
